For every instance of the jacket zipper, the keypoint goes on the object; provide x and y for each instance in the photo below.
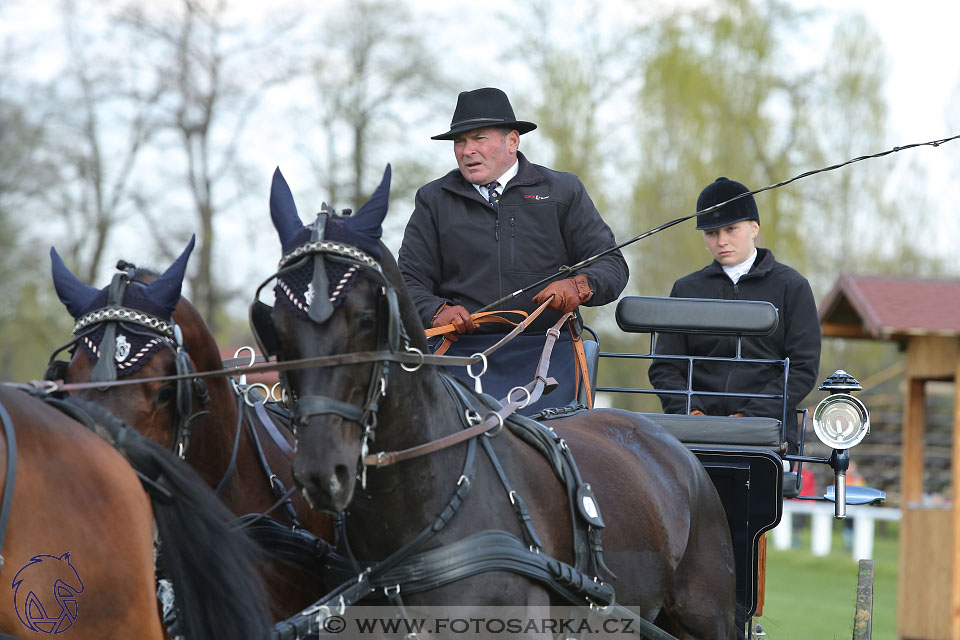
(499, 257)
(513, 241)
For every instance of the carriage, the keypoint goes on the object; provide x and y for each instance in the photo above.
(746, 457)
(359, 376)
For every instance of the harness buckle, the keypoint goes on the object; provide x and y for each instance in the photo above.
(392, 591)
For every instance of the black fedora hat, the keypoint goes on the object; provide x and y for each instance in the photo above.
(487, 107)
(721, 190)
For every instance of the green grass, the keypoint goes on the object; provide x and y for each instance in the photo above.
(811, 598)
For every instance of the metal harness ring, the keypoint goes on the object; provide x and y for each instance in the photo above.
(403, 365)
(253, 354)
(494, 431)
(255, 385)
(483, 358)
(526, 400)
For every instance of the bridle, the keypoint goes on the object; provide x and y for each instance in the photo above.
(167, 334)
(392, 337)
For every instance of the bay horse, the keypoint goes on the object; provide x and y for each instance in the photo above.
(80, 541)
(242, 450)
(666, 539)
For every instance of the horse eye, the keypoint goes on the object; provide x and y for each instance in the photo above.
(165, 394)
(367, 321)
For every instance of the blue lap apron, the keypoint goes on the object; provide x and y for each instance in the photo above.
(515, 363)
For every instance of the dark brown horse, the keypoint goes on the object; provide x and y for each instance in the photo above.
(79, 549)
(242, 450)
(666, 537)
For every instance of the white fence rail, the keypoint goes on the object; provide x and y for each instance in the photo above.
(821, 526)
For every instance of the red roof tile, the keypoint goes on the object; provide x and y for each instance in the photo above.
(885, 307)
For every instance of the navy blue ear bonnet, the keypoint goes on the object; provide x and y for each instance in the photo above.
(361, 230)
(142, 306)
(134, 345)
(295, 288)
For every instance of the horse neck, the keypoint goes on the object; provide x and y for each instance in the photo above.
(417, 409)
(405, 497)
(214, 433)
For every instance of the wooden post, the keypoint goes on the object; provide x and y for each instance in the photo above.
(913, 432)
(955, 484)
(863, 616)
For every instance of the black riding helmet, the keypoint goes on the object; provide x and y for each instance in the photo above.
(721, 190)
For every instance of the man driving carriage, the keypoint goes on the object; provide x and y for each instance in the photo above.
(741, 271)
(493, 226)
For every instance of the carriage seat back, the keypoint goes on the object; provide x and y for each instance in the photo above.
(648, 314)
(654, 315)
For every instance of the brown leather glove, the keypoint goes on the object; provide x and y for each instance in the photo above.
(568, 293)
(697, 412)
(458, 316)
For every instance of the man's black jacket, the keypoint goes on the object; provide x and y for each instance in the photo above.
(458, 249)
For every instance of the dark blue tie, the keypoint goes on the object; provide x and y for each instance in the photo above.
(492, 194)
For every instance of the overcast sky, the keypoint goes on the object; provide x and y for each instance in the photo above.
(920, 38)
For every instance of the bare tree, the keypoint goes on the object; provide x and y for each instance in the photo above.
(371, 78)
(99, 123)
(217, 72)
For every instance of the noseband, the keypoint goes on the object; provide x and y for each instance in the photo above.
(167, 334)
(391, 335)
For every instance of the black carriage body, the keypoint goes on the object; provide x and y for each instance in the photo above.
(743, 455)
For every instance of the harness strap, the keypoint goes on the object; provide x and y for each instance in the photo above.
(534, 388)
(271, 428)
(516, 501)
(232, 465)
(10, 479)
(581, 368)
(494, 550)
(105, 370)
(277, 487)
(316, 405)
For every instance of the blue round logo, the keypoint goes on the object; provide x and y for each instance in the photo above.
(46, 594)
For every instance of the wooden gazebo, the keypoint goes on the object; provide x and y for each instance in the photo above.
(924, 316)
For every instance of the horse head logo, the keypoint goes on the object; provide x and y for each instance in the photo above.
(46, 594)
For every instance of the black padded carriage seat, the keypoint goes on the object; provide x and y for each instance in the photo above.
(645, 314)
(654, 315)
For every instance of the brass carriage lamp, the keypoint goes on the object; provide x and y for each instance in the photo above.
(842, 422)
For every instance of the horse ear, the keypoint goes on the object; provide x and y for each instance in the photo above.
(75, 295)
(283, 210)
(165, 290)
(368, 221)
